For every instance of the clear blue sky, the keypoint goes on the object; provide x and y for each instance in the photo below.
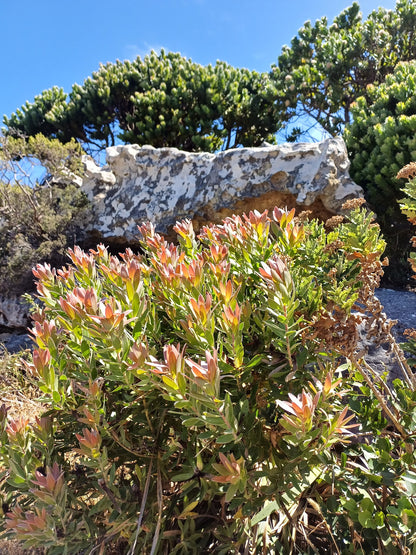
(46, 43)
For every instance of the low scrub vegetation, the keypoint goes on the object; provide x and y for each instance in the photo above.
(42, 209)
(208, 397)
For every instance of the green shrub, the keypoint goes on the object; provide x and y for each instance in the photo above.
(408, 203)
(198, 404)
(42, 209)
(380, 141)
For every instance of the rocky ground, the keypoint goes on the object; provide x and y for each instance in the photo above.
(400, 306)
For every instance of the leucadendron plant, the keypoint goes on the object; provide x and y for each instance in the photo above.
(207, 397)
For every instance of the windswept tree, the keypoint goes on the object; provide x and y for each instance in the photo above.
(327, 67)
(168, 100)
(164, 100)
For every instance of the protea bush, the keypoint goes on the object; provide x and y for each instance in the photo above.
(208, 397)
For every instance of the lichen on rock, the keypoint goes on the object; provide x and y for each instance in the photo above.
(165, 185)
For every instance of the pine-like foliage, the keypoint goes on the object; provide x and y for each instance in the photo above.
(328, 66)
(381, 140)
(164, 100)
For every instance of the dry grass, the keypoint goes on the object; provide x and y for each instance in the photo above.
(9, 547)
(17, 392)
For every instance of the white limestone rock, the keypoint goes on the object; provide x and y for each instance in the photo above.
(13, 313)
(165, 185)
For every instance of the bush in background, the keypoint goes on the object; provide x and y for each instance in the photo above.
(380, 141)
(42, 210)
(329, 65)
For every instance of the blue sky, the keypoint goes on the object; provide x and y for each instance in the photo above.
(47, 43)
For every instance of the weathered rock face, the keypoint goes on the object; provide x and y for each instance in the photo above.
(14, 320)
(13, 313)
(165, 185)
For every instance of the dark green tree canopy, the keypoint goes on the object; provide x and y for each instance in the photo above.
(334, 77)
(327, 67)
(162, 100)
(168, 100)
